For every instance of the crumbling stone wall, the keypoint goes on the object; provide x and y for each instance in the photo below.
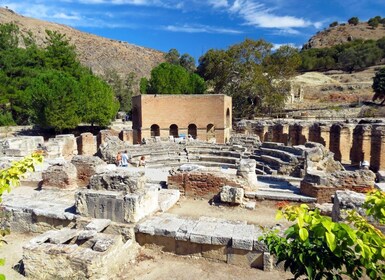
(323, 185)
(200, 184)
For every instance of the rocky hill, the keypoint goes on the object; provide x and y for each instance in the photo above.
(95, 52)
(343, 33)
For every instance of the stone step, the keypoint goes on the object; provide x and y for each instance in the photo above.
(284, 196)
(280, 146)
(210, 231)
(282, 155)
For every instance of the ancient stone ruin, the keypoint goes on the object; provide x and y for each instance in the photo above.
(92, 216)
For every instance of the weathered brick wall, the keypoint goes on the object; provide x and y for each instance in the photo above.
(199, 184)
(183, 110)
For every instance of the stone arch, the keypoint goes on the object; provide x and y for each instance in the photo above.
(174, 131)
(228, 120)
(155, 130)
(210, 131)
(192, 130)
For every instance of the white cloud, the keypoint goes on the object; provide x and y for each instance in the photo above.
(277, 46)
(219, 3)
(200, 29)
(255, 13)
(66, 16)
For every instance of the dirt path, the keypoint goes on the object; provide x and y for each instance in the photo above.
(263, 214)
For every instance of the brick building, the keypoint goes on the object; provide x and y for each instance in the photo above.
(203, 116)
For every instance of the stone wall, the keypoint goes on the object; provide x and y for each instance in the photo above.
(208, 116)
(323, 185)
(201, 184)
(351, 141)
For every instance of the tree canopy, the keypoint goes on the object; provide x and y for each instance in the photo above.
(379, 85)
(252, 73)
(168, 78)
(48, 86)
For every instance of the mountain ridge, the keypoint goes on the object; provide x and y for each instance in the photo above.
(98, 53)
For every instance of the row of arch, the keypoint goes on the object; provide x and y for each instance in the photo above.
(191, 130)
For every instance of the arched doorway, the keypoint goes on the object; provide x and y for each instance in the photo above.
(174, 131)
(210, 132)
(155, 131)
(192, 130)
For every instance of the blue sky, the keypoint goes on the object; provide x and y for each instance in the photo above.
(196, 26)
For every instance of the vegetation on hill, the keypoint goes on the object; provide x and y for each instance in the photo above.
(48, 86)
(351, 56)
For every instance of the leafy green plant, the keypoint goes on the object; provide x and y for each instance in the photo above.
(9, 178)
(318, 248)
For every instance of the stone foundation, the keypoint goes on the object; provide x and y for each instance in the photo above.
(76, 254)
(201, 184)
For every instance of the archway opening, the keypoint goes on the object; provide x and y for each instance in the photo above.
(155, 130)
(174, 131)
(192, 130)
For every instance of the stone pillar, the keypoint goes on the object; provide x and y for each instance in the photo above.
(377, 159)
(285, 134)
(346, 139)
(126, 136)
(303, 134)
(86, 144)
(341, 137)
(361, 146)
(261, 131)
(103, 134)
(325, 136)
(315, 133)
(246, 170)
(295, 131)
(335, 135)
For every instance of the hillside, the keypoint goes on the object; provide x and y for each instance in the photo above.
(344, 33)
(95, 52)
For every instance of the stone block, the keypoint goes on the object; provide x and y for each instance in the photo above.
(118, 179)
(250, 205)
(86, 234)
(62, 236)
(232, 194)
(86, 144)
(86, 166)
(268, 262)
(60, 175)
(243, 237)
(222, 234)
(98, 224)
(186, 248)
(214, 252)
(245, 258)
(168, 198)
(185, 230)
(103, 243)
(169, 227)
(202, 232)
